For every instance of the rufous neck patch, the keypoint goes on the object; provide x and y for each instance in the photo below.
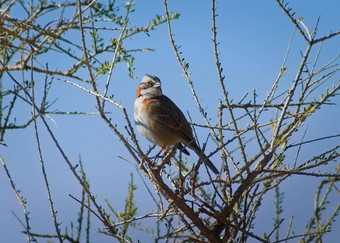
(138, 91)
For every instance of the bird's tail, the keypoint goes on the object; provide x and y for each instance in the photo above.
(206, 160)
(182, 148)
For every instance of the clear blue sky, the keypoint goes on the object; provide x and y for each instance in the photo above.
(253, 38)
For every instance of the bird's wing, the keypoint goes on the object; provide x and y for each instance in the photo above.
(173, 117)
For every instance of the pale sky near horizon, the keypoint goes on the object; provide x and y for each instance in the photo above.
(253, 37)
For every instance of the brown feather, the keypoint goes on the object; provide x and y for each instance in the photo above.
(138, 91)
(175, 119)
(163, 122)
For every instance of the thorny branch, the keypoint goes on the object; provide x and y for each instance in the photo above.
(281, 132)
(220, 209)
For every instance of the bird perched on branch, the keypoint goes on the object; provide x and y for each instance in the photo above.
(160, 121)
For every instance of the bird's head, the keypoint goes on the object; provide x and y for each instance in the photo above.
(150, 87)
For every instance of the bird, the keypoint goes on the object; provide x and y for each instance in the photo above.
(161, 122)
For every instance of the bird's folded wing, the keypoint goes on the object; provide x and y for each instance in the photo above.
(173, 117)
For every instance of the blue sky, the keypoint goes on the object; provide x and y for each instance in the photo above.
(253, 38)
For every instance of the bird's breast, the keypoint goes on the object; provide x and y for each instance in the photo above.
(143, 120)
(149, 124)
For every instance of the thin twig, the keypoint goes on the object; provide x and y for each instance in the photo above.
(21, 200)
(117, 52)
(295, 22)
(326, 37)
(289, 98)
(49, 195)
(63, 153)
(225, 93)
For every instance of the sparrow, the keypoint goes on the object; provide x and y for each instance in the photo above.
(160, 121)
